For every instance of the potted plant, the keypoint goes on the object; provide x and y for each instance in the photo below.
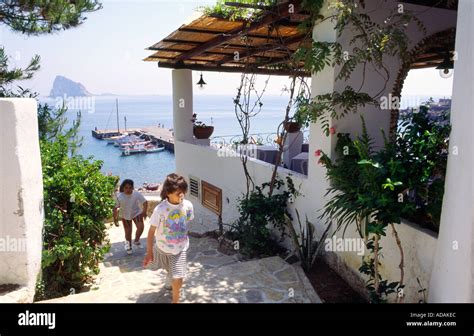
(201, 130)
(291, 126)
(294, 123)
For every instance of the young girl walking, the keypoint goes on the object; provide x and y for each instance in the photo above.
(133, 207)
(169, 223)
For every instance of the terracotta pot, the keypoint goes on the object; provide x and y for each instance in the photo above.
(203, 132)
(291, 126)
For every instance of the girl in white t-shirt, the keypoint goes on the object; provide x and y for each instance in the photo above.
(133, 207)
(169, 224)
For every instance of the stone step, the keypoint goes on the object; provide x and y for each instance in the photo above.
(212, 277)
(268, 280)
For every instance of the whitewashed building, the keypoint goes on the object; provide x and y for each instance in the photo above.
(443, 263)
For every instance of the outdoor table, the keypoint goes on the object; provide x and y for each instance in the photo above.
(267, 153)
(299, 163)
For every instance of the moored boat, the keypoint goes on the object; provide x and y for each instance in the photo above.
(151, 186)
(141, 147)
(155, 149)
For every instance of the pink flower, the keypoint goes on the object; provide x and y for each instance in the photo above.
(318, 152)
(332, 131)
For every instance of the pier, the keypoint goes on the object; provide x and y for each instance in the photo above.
(163, 136)
(103, 134)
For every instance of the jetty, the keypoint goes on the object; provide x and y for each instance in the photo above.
(104, 134)
(163, 136)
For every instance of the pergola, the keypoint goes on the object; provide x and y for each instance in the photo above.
(265, 46)
(211, 43)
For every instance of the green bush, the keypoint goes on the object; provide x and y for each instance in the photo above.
(221, 10)
(422, 148)
(77, 200)
(259, 213)
(373, 190)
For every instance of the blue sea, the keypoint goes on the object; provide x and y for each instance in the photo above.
(141, 111)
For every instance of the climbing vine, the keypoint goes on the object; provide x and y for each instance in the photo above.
(368, 45)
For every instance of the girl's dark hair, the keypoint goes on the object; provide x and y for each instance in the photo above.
(124, 183)
(172, 183)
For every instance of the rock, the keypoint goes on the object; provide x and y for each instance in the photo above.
(286, 275)
(272, 295)
(63, 86)
(254, 296)
(273, 264)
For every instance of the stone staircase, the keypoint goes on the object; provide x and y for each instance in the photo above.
(212, 277)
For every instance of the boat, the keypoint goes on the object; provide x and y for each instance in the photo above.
(125, 140)
(151, 186)
(114, 139)
(155, 149)
(141, 147)
(133, 144)
(116, 136)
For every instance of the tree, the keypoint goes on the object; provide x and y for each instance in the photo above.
(35, 17)
(77, 196)
(9, 75)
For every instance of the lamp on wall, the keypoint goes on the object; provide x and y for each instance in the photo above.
(201, 83)
(446, 67)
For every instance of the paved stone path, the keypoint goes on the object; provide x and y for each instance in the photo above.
(212, 277)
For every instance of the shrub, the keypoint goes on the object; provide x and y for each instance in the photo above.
(259, 213)
(305, 243)
(422, 147)
(77, 200)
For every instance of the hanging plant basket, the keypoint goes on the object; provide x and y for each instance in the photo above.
(203, 132)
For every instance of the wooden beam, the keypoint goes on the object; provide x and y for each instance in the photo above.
(281, 11)
(429, 59)
(197, 67)
(194, 43)
(423, 66)
(249, 53)
(215, 32)
(173, 58)
(206, 52)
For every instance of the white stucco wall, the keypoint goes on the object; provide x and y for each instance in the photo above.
(453, 274)
(182, 104)
(21, 193)
(418, 247)
(227, 173)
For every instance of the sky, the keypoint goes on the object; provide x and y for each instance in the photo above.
(106, 53)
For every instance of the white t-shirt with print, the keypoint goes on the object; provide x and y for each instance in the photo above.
(171, 221)
(130, 205)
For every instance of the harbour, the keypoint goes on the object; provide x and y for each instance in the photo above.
(162, 136)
